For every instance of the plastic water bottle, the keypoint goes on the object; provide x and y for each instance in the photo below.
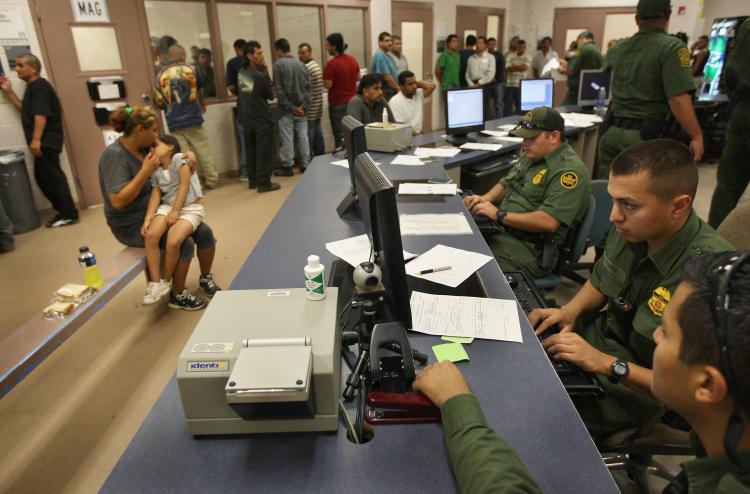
(91, 274)
(385, 116)
(315, 285)
(601, 101)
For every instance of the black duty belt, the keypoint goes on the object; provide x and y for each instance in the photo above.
(627, 123)
(533, 238)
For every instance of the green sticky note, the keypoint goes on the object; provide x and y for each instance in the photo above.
(450, 351)
(466, 340)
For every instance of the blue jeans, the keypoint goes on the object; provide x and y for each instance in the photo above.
(497, 95)
(293, 129)
(512, 101)
(315, 136)
(243, 154)
(6, 230)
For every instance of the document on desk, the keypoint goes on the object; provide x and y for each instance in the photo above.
(407, 159)
(569, 122)
(495, 133)
(447, 152)
(481, 146)
(345, 163)
(487, 318)
(462, 263)
(355, 250)
(507, 127)
(422, 189)
(434, 224)
(510, 139)
(588, 117)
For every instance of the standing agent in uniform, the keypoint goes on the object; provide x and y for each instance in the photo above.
(651, 81)
(41, 118)
(734, 167)
(652, 185)
(540, 200)
(587, 57)
(692, 375)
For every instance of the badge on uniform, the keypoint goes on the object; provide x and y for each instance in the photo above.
(659, 300)
(684, 55)
(569, 180)
(538, 177)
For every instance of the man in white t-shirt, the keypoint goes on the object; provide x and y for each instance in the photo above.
(408, 103)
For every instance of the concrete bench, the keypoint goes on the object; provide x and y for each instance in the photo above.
(28, 346)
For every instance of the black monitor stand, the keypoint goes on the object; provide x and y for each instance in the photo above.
(460, 139)
(348, 209)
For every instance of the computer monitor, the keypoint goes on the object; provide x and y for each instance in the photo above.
(464, 111)
(720, 45)
(590, 83)
(354, 144)
(536, 92)
(377, 202)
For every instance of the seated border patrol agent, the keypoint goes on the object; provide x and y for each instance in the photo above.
(701, 362)
(540, 200)
(655, 230)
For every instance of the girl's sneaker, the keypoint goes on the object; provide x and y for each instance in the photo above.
(153, 293)
(164, 288)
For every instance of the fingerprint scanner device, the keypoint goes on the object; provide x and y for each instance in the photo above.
(388, 137)
(262, 361)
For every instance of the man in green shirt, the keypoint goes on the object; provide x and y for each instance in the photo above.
(540, 200)
(688, 377)
(651, 81)
(734, 173)
(448, 64)
(587, 57)
(655, 230)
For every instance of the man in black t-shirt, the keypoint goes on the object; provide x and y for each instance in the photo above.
(255, 89)
(41, 118)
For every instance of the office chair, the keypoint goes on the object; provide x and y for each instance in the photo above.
(572, 253)
(734, 227)
(632, 450)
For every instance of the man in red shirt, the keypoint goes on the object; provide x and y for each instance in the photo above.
(340, 79)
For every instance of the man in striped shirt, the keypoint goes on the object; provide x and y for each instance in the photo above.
(315, 108)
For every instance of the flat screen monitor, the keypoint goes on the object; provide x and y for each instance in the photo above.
(536, 92)
(720, 45)
(464, 111)
(377, 202)
(590, 83)
(355, 144)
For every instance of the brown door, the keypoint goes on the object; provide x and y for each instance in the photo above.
(413, 22)
(569, 23)
(480, 21)
(71, 65)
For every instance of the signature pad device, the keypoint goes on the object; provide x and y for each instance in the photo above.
(262, 361)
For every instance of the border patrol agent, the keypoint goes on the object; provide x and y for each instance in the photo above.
(587, 57)
(734, 170)
(689, 377)
(651, 80)
(543, 198)
(655, 230)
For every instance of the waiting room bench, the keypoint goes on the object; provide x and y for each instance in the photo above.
(28, 346)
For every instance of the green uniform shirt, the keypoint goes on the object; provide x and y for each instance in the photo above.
(647, 282)
(450, 64)
(737, 73)
(483, 462)
(557, 184)
(587, 57)
(717, 474)
(648, 68)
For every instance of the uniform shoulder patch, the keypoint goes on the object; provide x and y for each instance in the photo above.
(538, 177)
(659, 300)
(684, 55)
(569, 180)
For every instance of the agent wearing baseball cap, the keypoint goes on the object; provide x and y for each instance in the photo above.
(540, 200)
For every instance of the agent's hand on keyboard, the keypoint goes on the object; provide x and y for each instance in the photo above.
(542, 319)
(471, 201)
(574, 349)
(486, 209)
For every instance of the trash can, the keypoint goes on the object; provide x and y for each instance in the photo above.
(15, 191)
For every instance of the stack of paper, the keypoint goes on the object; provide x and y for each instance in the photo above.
(344, 163)
(486, 318)
(462, 263)
(480, 146)
(355, 250)
(434, 224)
(407, 159)
(586, 117)
(495, 133)
(447, 152)
(510, 139)
(427, 189)
(507, 127)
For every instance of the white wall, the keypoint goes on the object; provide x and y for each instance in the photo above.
(11, 132)
(716, 9)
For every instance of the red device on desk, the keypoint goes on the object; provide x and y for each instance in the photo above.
(400, 408)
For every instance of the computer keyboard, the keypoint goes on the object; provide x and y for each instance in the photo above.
(576, 382)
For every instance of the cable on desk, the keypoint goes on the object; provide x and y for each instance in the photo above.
(348, 421)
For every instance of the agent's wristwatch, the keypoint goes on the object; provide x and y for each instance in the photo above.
(501, 213)
(619, 369)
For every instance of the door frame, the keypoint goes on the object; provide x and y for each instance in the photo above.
(486, 11)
